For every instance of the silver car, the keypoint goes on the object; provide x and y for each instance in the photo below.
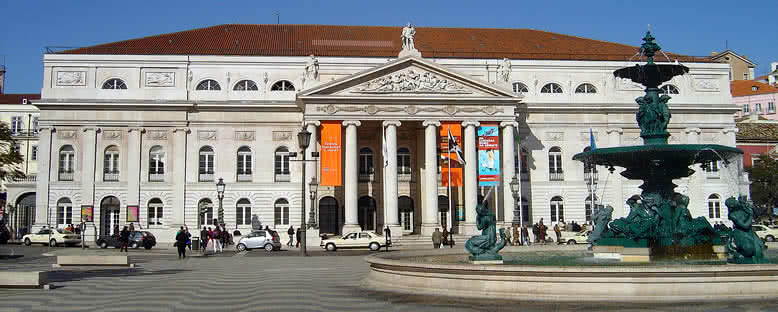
(268, 240)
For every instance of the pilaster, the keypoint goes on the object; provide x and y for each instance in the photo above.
(350, 177)
(391, 213)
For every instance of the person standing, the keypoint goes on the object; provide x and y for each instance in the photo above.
(290, 231)
(525, 235)
(558, 233)
(299, 233)
(451, 238)
(204, 236)
(186, 230)
(132, 227)
(124, 238)
(436, 238)
(508, 240)
(444, 237)
(541, 232)
(216, 238)
(181, 239)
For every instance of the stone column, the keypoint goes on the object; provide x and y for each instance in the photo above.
(44, 177)
(392, 216)
(470, 176)
(134, 153)
(89, 161)
(429, 219)
(351, 178)
(509, 170)
(178, 175)
(313, 127)
(692, 135)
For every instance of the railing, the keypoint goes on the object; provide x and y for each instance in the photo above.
(110, 176)
(244, 177)
(589, 176)
(206, 177)
(65, 176)
(25, 133)
(283, 177)
(713, 174)
(30, 178)
(156, 177)
(556, 176)
(366, 177)
(403, 177)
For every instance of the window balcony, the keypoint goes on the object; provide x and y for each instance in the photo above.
(589, 177)
(403, 177)
(556, 176)
(283, 178)
(206, 177)
(712, 174)
(110, 176)
(244, 177)
(65, 176)
(156, 177)
(26, 134)
(366, 177)
(29, 178)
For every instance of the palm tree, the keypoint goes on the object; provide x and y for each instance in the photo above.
(10, 160)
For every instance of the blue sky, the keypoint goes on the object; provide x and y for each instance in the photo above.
(681, 26)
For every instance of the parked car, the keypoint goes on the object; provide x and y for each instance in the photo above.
(52, 238)
(269, 240)
(360, 239)
(572, 238)
(137, 239)
(765, 233)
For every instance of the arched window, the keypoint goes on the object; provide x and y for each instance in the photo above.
(244, 164)
(589, 207)
(208, 85)
(114, 84)
(245, 85)
(524, 210)
(557, 209)
(282, 164)
(243, 212)
(64, 212)
(403, 161)
(206, 164)
(551, 88)
(156, 164)
(365, 164)
(585, 88)
(590, 170)
(205, 208)
(111, 164)
(555, 164)
(155, 208)
(714, 206)
(282, 85)
(520, 88)
(66, 160)
(281, 212)
(668, 89)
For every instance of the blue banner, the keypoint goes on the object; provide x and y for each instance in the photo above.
(488, 155)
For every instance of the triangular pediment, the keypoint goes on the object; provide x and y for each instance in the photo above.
(409, 77)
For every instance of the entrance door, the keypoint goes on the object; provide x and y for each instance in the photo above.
(366, 213)
(109, 211)
(443, 212)
(405, 206)
(328, 216)
(24, 217)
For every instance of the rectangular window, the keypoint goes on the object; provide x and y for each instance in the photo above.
(206, 163)
(758, 108)
(243, 215)
(745, 76)
(746, 108)
(155, 215)
(64, 215)
(35, 126)
(34, 155)
(17, 125)
(771, 107)
(16, 148)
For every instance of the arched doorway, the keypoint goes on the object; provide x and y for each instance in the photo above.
(366, 213)
(328, 215)
(24, 217)
(443, 211)
(109, 215)
(405, 208)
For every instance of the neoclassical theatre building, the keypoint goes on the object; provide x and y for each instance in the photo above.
(141, 130)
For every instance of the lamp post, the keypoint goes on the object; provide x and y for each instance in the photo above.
(516, 192)
(303, 139)
(313, 188)
(220, 193)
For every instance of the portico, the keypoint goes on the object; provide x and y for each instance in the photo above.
(400, 106)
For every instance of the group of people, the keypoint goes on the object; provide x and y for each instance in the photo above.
(445, 238)
(292, 235)
(216, 238)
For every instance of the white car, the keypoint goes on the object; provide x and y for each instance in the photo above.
(52, 238)
(572, 238)
(361, 239)
(765, 233)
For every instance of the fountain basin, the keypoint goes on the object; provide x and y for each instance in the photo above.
(417, 272)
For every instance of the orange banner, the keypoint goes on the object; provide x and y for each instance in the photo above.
(446, 155)
(331, 173)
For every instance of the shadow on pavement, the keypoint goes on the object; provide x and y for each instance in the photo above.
(61, 276)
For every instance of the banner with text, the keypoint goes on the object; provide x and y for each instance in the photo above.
(447, 155)
(488, 155)
(331, 173)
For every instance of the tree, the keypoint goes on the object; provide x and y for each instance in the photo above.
(10, 160)
(764, 184)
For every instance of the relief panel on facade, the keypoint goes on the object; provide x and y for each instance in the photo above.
(160, 79)
(706, 85)
(244, 135)
(282, 135)
(66, 134)
(555, 136)
(112, 134)
(206, 135)
(413, 80)
(157, 134)
(71, 78)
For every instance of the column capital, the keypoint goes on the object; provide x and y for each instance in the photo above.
(352, 123)
(513, 124)
(427, 123)
(312, 123)
(469, 123)
(185, 130)
(395, 123)
(139, 129)
(730, 130)
(690, 130)
(612, 130)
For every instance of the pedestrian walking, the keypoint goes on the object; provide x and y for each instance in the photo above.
(508, 238)
(124, 238)
(216, 238)
(541, 232)
(181, 239)
(204, 236)
(516, 236)
(558, 233)
(290, 231)
(451, 238)
(188, 241)
(525, 235)
(444, 237)
(299, 232)
(436, 238)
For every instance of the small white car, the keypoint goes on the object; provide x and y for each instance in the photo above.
(267, 240)
(572, 238)
(52, 238)
(765, 233)
(361, 239)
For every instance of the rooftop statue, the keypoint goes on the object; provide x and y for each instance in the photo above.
(409, 31)
(485, 247)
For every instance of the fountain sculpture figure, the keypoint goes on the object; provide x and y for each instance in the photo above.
(743, 245)
(485, 247)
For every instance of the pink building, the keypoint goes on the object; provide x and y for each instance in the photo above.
(755, 99)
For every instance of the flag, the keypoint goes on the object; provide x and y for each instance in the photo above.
(384, 152)
(454, 147)
(592, 146)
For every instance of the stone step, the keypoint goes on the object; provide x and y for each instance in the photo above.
(34, 279)
(93, 261)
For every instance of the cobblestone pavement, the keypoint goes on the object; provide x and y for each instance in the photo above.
(257, 281)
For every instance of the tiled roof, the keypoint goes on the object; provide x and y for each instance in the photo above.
(746, 87)
(373, 41)
(17, 98)
(757, 132)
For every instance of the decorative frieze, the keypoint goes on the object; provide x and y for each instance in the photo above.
(66, 134)
(282, 135)
(167, 79)
(410, 109)
(112, 134)
(413, 80)
(157, 135)
(706, 85)
(555, 136)
(244, 135)
(206, 135)
(625, 84)
(71, 78)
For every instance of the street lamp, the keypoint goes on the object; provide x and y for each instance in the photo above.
(313, 188)
(516, 192)
(303, 139)
(220, 193)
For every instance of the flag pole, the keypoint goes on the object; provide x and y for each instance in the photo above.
(450, 207)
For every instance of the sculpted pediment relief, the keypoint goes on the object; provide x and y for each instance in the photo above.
(411, 80)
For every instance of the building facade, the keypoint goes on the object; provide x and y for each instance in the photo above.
(741, 68)
(142, 129)
(756, 100)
